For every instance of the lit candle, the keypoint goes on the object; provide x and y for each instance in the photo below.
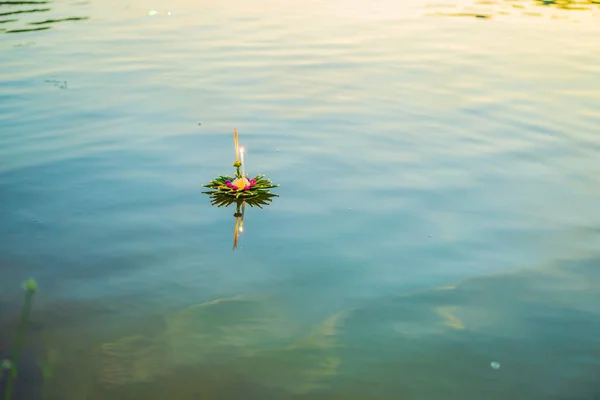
(242, 150)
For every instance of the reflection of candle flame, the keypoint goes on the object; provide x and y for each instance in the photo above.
(236, 233)
(236, 145)
(239, 226)
(242, 219)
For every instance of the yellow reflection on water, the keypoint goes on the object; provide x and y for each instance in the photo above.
(549, 9)
(447, 313)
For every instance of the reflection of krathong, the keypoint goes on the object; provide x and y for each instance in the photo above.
(223, 200)
(240, 190)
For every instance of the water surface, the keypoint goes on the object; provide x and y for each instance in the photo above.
(438, 210)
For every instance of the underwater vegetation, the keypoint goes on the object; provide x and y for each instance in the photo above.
(9, 371)
(245, 337)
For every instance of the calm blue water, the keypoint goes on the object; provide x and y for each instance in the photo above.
(437, 234)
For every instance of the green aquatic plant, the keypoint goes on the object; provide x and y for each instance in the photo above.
(12, 366)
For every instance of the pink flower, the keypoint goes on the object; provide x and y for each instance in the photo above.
(252, 182)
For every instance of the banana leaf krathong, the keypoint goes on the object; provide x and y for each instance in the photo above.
(240, 190)
(227, 187)
(239, 186)
(223, 199)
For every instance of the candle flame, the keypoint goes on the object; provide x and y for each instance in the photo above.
(242, 150)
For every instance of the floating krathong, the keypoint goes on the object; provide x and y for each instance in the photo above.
(240, 190)
(240, 186)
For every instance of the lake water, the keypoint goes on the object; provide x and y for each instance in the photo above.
(437, 234)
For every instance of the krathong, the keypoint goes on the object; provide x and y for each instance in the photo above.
(240, 186)
(240, 190)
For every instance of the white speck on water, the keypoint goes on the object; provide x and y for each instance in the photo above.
(152, 12)
(495, 365)
(430, 235)
(169, 13)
